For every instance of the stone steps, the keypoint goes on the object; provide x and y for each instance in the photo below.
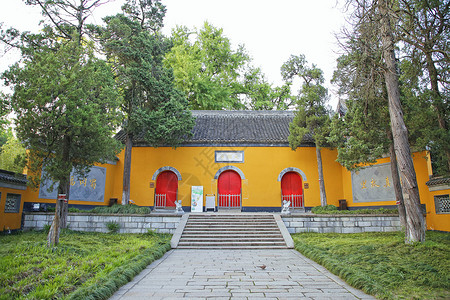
(231, 231)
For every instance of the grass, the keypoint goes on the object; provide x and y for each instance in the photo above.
(333, 210)
(381, 264)
(83, 266)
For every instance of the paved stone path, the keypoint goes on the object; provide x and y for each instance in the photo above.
(235, 274)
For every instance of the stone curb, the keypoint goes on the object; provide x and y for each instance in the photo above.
(177, 234)
(284, 231)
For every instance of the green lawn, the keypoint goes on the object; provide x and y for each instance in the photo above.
(83, 266)
(381, 264)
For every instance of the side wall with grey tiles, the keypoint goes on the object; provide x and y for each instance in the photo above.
(98, 223)
(342, 223)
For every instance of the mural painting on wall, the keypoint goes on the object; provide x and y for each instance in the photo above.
(90, 187)
(374, 183)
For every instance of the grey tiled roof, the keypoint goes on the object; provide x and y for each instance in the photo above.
(14, 178)
(438, 181)
(244, 127)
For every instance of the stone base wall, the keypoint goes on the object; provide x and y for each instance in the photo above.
(341, 223)
(98, 223)
(167, 223)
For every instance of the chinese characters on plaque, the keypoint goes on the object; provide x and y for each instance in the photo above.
(90, 187)
(373, 183)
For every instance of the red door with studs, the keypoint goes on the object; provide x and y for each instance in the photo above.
(291, 189)
(166, 184)
(229, 189)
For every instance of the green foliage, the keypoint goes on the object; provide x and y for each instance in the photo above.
(312, 118)
(424, 31)
(121, 209)
(333, 210)
(113, 227)
(12, 155)
(214, 76)
(322, 209)
(207, 70)
(151, 104)
(381, 264)
(65, 104)
(83, 266)
(362, 134)
(46, 228)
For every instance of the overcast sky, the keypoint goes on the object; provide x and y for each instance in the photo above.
(270, 30)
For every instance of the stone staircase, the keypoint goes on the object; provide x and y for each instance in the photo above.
(231, 231)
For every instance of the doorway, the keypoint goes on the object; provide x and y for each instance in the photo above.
(166, 189)
(292, 189)
(229, 190)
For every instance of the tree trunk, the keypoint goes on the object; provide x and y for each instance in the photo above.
(64, 188)
(414, 216)
(60, 219)
(127, 169)
(323, 195)
(397, 186)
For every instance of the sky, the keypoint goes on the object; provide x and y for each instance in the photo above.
(271, 31)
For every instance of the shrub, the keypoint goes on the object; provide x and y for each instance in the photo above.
(121, 209)
(331, 209)
(113, 227)
(322, 209)
(74, 210)
(46, 228)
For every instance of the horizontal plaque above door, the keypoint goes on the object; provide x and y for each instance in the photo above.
(229, 156)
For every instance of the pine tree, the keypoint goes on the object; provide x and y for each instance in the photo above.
(312, 117)
(153, 107)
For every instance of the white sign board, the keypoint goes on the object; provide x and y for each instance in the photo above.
(229, 156)
(197, 199)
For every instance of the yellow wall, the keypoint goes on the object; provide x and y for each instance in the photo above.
(10, 220)
(437, 221)
(261, 168)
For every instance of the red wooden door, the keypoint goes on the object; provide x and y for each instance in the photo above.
(291, 189)
(167, 184)
(229, 189)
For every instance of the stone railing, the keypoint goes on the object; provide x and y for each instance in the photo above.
(341, 223)
(162, 223)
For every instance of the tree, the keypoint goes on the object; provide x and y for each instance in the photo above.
(68, 17)
(12, 155)
(65, 103)
(153, 107)
(207, 70)
(378, 14)
(424, 28)
(63, 21)
(363, 134)
(260, 95)
(414, 216)
(312, 117)
(214, 76)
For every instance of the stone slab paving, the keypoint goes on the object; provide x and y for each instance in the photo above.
(236, 274)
